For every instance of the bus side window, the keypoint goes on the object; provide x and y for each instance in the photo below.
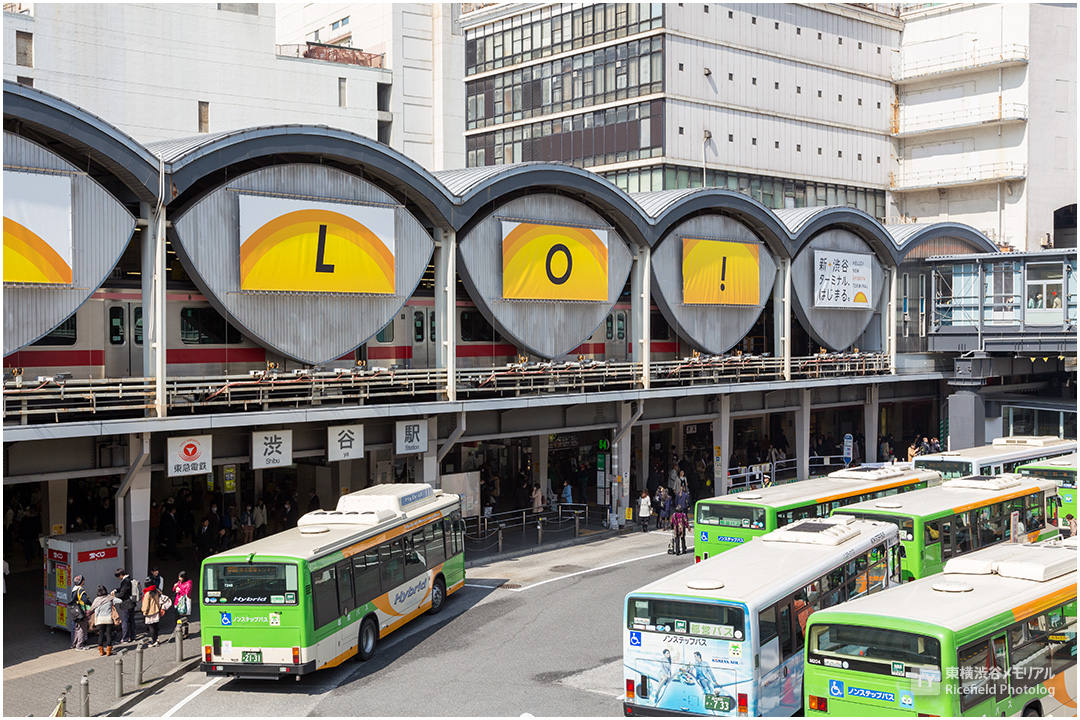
(790, 641)
(436, 553)
(366, 576)
(414, 555)
(345, 587)
(459, 536)
(324, 592)
(946, 538)
(767, 624)
(391, 565)
(962, 533)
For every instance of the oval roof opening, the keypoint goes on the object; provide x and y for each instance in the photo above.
(705, 584)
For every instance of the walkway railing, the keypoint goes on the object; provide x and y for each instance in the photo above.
(515, 529)
(63, 399)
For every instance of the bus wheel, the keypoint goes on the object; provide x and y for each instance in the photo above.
(438, 596)
(1032, 711)
(369, 637)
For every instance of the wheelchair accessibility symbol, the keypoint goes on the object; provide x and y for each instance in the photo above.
(635, 639)
(226, 618)
(836, 689)
(704, 536)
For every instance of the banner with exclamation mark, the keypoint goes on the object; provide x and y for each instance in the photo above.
(720, 272)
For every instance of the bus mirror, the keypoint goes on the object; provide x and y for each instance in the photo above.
(902, 552)
(1057, 500)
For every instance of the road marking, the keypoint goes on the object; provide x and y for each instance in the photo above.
(486, 587)
(190, 697)
(582, 572)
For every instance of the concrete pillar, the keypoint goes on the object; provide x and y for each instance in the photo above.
(56, 509)
(137, 515)
(620, 465)
(540, 461)
(640, 304)
(258, 473)
(342, 475)
(967, 420)
(802, 435)
(721, 432)
(153, 300)
(427, 465)
(677, 441)
(871, 413)
(645, 468)
(445, 260)
(324, 487)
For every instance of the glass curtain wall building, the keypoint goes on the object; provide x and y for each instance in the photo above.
(649, 95)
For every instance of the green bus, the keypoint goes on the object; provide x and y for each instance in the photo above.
(727, 521)
(961, 516)
(1003, 454)
(1063, 470)
(330, 588)
(994, 635)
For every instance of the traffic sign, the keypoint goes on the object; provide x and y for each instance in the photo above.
(849, 445)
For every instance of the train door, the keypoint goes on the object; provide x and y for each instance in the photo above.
(123, 339)
(423, 338)
(615, 334)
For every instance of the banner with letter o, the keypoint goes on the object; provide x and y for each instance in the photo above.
(554, 262)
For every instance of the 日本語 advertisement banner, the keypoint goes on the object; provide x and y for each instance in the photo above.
(553, 262)
(37, 228)
(309, 246)
(842, 279)
(720, 272)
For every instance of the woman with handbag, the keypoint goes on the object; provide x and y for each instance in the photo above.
(182, 592)
(152, 609)
(80, 622)
(105, 617)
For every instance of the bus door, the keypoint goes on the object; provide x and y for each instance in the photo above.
(780, 690)
(423, 338)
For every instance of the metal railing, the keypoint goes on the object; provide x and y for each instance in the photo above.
(970, 60)
(965, 175)
(960, 117)
(514, 529)
(332, 53)
(755, 477)
(59, 398)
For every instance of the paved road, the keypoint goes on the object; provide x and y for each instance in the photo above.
(538, 634)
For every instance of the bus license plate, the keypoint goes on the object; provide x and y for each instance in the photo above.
(251, 657)
(720, 703)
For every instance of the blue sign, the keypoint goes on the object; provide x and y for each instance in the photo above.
(726, 538)
(704, 536)
(226, 618)
(907, 700)
(635, 638)
(849, 444)
(871, 694)
(836, 689)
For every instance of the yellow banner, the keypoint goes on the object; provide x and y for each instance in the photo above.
(315, 246)
(719, 272)
(37, 228)
(552, 262)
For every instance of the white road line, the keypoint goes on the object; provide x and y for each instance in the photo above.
(486, 587)
(582, 572)
(190, 697)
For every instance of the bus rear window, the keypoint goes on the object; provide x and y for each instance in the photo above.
(251, 584)
(730, 515)
(905, 525)
(876, 650)
(949, 469)
(701, 619)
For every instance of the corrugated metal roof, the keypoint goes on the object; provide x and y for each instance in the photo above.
(903, 233)
(795, 218)
(461, 182)
(170, 150)
(655, 203)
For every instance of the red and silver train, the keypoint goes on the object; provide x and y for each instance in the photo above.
(103, 339)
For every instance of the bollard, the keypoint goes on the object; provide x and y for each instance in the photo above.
(500, 538)
(118, 675)
(61, 702)
(539, 532)
(179, 637)
(138, 666)
(84, 694)
(577, 525)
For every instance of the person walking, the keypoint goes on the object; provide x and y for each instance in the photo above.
(205, 541)
(679, 526)
(151, 609)
(567, 492)
(682, 500)
(644, 510)
(259, 516)
(168, 531)
(289, 516)
(247, 524)
(537, 498)
(665, 508)
(104, 614)
(182, 600)
(124, 594)
(155, 577)
(80, 605)
(1072, 525)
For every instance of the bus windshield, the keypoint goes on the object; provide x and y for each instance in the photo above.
(252, 584)
(949, 469)
(702, 619)
(731, 515)
(875, 650)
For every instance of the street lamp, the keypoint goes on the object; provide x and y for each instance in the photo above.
(704, 146)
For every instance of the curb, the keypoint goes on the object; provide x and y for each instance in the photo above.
(136, 696)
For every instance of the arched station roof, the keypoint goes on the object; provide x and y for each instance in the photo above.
(907, 237)
(804, 223)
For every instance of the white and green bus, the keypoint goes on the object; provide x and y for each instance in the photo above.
(1002, 455)
(1063, 471)
(329, 589)
(724, 637)
(994, 635)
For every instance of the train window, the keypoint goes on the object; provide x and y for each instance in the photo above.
(658, 327)
(64, 334)
(204, 326)
(620, 326)
(136, 330)
(386, 335)
(116, 325)
(475, 327)
(418, 326)
(610, 334)
(431, 318)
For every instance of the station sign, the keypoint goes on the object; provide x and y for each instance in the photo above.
(849, 447)
(271, 448)
(190, 455)
(554, 262)
(58, 555)
(842, 279)
(344, 442)
(308, 246)
(38, 237)
(102, 554)
(721, 272)
(411, 436)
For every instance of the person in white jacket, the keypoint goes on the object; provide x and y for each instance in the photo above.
(644, 510)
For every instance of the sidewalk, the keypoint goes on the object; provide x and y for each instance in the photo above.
(38, 662)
